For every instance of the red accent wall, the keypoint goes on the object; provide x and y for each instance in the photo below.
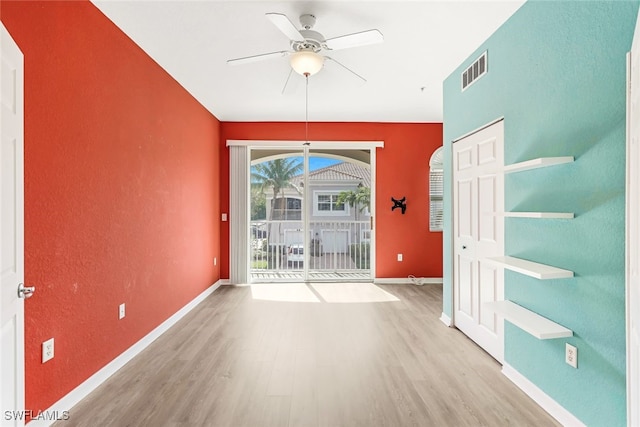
(402, 170)
(121, 192)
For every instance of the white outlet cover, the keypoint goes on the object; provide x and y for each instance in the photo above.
(47, 350)
(399, 257)
(121, 311)
(571, 355)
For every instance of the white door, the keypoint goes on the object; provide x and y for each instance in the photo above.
(293, 237)
(633, 232)
(335, 241)
(478, 193)
(11, 232)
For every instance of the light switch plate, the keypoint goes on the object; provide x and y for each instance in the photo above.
(47, 350)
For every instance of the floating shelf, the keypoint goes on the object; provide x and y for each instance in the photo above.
(551, 215)
(538, 326)
(537, 163)
(533, 269)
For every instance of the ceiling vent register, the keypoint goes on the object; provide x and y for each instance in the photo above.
(475, 71)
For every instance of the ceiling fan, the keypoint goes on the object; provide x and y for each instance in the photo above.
(307, 44)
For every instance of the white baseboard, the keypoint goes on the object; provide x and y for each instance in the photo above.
(407, 280)
(446, 320)
(91, 383)
(554, 409)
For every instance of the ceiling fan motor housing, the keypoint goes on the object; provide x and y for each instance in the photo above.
(313, 40)
(307, 21)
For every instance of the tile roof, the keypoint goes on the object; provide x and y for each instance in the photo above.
(341, 171)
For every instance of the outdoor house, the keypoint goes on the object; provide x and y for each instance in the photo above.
(339, 222)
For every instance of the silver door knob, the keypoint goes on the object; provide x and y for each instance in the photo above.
(25, 291)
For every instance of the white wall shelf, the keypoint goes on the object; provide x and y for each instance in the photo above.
(538, 326)
(530, 268)
(550, 215)
(537, 163)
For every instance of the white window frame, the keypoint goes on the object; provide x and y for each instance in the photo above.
(317, 212)
(271, 201)
(436, 191)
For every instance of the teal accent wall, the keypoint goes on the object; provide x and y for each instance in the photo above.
(557, 73)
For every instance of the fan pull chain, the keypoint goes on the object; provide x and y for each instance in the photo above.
(306, 109)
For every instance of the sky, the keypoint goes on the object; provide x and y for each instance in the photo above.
(315, 162)
(320, 162)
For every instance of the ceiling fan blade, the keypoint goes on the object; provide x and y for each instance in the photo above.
(354, 40)
(284, 24)
(256, 58)
(346, 68)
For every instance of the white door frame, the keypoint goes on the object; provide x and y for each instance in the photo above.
(632, 239)
(12, 274)
(305, 146)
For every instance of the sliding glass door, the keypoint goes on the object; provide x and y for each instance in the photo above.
(311, 215)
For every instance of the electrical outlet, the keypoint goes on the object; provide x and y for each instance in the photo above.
(224, 216)
(399, 257)
(47, 350)
(571, 355)
(121, 311)
(215, 261)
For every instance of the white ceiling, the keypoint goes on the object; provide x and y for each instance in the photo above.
(424, 42)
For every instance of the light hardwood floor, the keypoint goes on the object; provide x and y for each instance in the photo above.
(238, 361)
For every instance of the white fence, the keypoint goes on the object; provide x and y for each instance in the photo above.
(333, 246)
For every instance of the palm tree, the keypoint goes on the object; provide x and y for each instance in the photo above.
(276, 174)
(361, 198)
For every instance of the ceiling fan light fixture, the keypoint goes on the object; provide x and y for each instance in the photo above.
(306, 62)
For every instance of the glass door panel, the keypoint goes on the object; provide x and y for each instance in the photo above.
(277, 217)
(338, 206)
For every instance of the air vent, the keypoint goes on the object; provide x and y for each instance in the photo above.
(475, 71)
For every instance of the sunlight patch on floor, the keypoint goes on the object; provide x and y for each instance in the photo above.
(321, 292)
(352, 292)
(285, 292)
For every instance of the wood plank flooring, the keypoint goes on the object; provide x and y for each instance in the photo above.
(238, 361)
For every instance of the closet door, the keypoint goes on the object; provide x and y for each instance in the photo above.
(478, 192)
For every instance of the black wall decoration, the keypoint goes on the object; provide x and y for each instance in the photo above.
(402, 204)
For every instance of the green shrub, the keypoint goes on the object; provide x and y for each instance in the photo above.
(259, 265)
